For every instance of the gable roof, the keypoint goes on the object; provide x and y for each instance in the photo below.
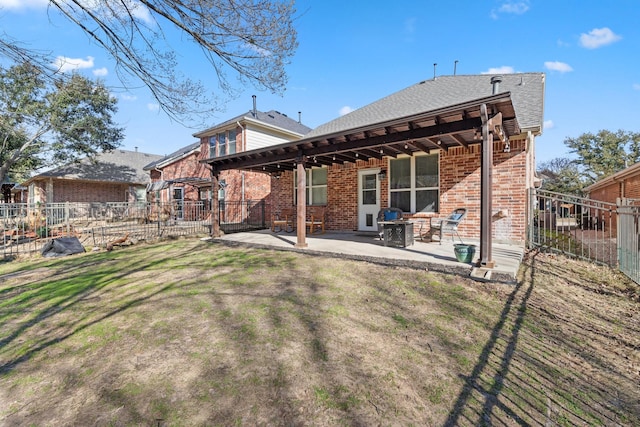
(626, 173)
(121, 166)
(273, 119)
(526, 89)
(173, 157)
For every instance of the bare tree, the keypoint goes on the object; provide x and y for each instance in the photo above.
(253, 39)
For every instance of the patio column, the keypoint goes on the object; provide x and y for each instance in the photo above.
(301, 219)
(215, 186)
(486, 183)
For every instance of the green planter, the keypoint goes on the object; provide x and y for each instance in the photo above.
(464, 253)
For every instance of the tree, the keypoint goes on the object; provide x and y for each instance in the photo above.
(605, 153)
(253, 38)
(562, 175)
(44, 123)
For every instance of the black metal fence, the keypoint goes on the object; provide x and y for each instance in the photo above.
(26, 228)
(576, 226)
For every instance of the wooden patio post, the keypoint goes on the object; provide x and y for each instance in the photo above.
(486, 183)
(301, 224)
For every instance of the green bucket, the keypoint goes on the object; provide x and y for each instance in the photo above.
(464, 253)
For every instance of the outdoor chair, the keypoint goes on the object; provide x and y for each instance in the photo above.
(388, 214)
(449, 224)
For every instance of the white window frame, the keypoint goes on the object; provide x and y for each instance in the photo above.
(412, 189)
(309, 187)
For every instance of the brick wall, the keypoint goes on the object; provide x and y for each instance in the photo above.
(70, 190)
(459, 187)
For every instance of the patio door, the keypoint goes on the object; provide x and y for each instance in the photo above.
(368, 199)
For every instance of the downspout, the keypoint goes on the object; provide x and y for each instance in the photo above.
(244, 138)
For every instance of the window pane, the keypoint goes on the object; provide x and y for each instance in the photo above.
(400, 173)
(427, 171)
(222, 144)
(369, 182)
(232, 142)
(369, 197)
(402, 200)
(427, 201)
(319, 176)
(319, 196)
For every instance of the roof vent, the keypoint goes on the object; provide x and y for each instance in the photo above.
(495, 81)
(255, 112)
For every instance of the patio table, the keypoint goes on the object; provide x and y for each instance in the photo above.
(397, 233)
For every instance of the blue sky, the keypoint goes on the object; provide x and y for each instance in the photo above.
(353, 53)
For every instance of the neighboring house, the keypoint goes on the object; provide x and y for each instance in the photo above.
(621, 188)
(181, 176)
(421, 150)
(115, 176)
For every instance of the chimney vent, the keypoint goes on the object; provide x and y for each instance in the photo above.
(255, 112)
(495, 81)
(300, 117)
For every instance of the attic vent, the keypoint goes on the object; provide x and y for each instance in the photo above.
(422, 82)
(272, 116)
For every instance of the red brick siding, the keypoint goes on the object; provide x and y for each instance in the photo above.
(71, 190)
(459, 186)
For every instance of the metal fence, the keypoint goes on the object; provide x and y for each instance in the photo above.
(26, 228)
(576, 226)
(629, 239)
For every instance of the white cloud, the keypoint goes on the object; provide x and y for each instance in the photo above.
(558, 66)
(505, 69)
(598, 37)
(548, 124)
(345, 110)
(100, 72)
(137, 9)
(65, 64)
(511, 7)
(153, 107)
(127, 97)
(636, 86)
(23, 4)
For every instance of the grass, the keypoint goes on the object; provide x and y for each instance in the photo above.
(186, 332)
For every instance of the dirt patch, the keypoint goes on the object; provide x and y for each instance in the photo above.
(194, 333)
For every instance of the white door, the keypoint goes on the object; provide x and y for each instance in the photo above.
(368, 199)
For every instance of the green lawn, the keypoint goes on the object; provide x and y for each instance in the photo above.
(187, 332)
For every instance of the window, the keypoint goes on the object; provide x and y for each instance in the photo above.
(316, 186)
(414, 183)
(222, 144)
(232, 141)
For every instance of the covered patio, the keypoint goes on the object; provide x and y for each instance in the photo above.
(368, 247)
(478, 134)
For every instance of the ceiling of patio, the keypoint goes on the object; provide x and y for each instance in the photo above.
(454, 126)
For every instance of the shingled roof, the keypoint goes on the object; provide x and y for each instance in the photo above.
(121, 166)
(271, 118)
(436, 114)
(527, 94)
(176, 155)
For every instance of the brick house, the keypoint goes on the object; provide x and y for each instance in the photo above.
(183, 177)
(621, 188)
(115, 176)
(454, 141)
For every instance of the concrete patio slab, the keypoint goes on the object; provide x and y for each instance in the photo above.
(368, 247)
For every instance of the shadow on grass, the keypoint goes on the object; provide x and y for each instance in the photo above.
(547, 365)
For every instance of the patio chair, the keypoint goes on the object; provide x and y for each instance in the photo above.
(449, 224)
(388, 214)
